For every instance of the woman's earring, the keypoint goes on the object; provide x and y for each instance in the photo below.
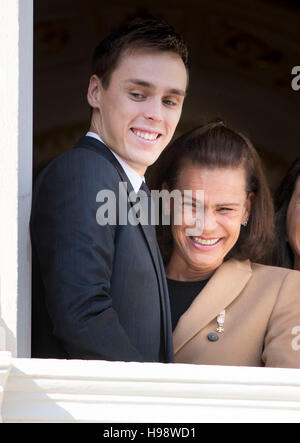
(245, 222)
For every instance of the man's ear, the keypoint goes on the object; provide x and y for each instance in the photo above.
(94, 92)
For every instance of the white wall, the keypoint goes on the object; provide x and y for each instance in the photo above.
(16, 59)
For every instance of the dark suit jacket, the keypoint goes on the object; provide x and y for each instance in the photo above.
(99, 292)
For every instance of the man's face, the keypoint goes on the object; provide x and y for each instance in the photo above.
(137, 114)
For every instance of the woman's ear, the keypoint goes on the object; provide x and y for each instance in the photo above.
(165, 186)
(248, 205)
(94, 92)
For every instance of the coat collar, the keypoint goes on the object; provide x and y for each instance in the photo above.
(224, 286)
(135, 179)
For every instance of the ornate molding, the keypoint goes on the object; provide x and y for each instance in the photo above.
(100, 391)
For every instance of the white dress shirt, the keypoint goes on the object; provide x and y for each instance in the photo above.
(135, 179)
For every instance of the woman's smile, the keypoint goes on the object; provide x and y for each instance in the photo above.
(205, 244)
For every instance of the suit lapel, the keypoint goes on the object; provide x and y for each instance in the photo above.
(223, 287)
(100, 148)
(150, 237)
(148, 230)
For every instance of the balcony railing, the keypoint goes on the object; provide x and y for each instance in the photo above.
(33, 390)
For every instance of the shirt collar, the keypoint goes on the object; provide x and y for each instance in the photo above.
(135, 179)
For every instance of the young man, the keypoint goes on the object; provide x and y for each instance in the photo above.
(99, 291)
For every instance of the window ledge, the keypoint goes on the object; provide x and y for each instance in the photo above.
(33, 390)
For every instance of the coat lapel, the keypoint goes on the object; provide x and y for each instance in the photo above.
(150, 236)
(148, 231)
(223, 287)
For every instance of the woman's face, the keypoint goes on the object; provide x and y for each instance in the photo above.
(226, 207)
(293, 224)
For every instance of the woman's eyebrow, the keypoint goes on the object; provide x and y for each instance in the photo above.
(189, 199)
(228, 204)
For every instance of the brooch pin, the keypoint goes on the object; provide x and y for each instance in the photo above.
(212, 336)
(221, 321)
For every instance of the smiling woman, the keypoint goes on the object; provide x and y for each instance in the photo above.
(226, 208)
(226, 308)
(231, 167)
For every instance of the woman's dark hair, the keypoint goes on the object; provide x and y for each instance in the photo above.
(216, 146)
(283, 255)
(137, 33)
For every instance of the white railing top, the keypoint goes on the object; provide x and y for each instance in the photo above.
(99, 391)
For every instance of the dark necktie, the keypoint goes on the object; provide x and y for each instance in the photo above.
(149, 203)
(145, 188)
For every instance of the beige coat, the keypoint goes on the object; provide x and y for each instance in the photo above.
(262, 314)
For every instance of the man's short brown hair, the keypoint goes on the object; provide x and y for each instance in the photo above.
(138, 33)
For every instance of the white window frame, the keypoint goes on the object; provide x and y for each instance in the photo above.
(16, 119)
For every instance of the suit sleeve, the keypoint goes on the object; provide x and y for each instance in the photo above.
(280, 347)
(76, 257)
